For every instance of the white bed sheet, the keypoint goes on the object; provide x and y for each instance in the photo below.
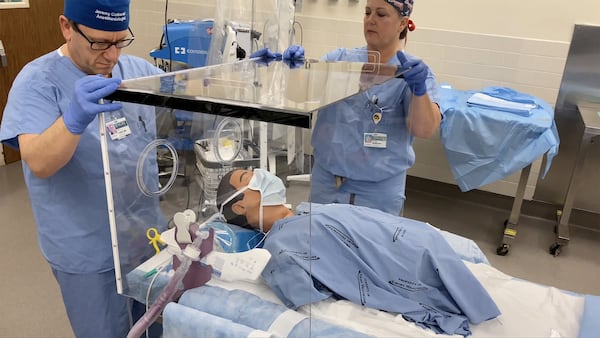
(528, 310)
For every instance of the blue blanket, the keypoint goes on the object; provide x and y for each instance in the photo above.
(181, 321)
(247, 309)
(402, 266)
(590, 326)
(486, 144)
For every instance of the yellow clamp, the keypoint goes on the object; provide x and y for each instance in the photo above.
(154, 237)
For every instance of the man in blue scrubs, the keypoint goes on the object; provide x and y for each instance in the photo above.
(51, 117)
(365, 255)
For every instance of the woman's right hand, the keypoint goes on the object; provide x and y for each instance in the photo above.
(265, 53)
(294, 52)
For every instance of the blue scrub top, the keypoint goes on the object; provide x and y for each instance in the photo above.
(70, 207)
(376, 260)
(338, 136)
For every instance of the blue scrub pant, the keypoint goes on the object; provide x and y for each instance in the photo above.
(94, 307)
(386, 195)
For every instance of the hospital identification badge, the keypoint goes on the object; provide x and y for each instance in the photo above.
(375, 140)
(118, 128)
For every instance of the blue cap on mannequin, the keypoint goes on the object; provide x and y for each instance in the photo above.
(104, 15)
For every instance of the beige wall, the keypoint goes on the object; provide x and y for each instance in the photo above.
(468, 43)
(534, 19)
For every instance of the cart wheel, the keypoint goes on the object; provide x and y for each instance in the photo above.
(555, 249)
(502, 250)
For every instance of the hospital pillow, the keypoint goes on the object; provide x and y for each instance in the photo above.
(233, 238)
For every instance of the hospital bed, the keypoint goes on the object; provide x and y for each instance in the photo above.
(528, 309)
(251, 309)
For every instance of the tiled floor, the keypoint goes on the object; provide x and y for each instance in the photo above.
(31, 304)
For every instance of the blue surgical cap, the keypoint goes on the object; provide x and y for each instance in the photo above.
(404, 7)
(104, 15)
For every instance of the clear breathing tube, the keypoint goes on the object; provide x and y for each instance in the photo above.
(176, 282)
(139, 171)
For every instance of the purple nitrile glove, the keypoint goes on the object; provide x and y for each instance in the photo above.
(84, 106)
(414, 73)
(294, 52)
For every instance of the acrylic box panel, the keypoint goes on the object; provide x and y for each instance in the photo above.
(188, 128)
(175, 164)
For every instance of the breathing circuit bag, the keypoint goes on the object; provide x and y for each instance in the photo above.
(231, 238)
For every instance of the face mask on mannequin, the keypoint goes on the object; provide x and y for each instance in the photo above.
(271, 188)
(272, 191)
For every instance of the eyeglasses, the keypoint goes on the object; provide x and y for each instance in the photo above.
(104, 45)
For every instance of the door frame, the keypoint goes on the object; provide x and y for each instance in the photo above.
(27, 33)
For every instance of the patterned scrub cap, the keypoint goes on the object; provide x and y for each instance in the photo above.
(404, 7)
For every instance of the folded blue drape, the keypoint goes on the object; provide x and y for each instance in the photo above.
(590, 327)
(247, 309)
(181, 322)
(487, 101)
(484, 144)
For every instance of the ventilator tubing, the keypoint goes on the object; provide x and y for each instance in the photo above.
(175, 284)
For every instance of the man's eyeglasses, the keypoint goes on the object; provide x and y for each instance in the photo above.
(104, 45)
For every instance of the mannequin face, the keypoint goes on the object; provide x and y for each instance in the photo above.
(254, 190)
(250, 203)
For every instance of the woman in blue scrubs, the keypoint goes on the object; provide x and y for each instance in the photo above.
(363, 144)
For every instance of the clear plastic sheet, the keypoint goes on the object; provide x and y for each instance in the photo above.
(190, 127)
